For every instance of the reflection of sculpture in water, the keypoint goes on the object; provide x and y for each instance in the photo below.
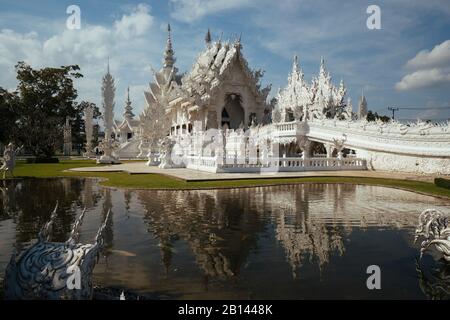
(44, 270)
(109, 229)
(436, 284)
(7, 198)
(8, 162)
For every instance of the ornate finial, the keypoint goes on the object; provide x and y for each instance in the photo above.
(128, 113)
(342, 84)
(322, 63)
(238, 44)
(169, 58)
(108, 65)
(295, 64)
(208, 37)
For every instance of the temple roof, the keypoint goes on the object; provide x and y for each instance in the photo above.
(126, 125)
(195, 89)
(211, 68)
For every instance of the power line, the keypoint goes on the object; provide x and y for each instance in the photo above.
(423, 108)
(417, 108)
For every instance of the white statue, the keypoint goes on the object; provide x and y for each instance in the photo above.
(165, 157)
(339, 146)
(46, 269)
(9, 159)
(107, 146)
(434, 227)
(88, 128)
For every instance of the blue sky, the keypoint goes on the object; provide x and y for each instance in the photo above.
(406, 63)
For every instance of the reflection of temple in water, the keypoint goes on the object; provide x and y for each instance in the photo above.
(311, 222)
(219, 230)
(231, 235)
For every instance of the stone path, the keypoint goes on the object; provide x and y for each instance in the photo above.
(194, 175)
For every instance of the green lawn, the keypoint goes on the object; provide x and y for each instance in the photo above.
(156, 181)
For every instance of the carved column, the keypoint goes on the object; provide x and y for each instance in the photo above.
(329, 148)
(89, 115)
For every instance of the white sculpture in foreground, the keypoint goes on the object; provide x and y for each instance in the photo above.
(45, 270)
(434, 227)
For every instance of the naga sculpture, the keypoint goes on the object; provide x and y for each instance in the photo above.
(434, 283)
(46, 269)
(8, 162)
(339, 145)
(434, 227)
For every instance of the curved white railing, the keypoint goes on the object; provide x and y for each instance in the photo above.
(216, 164)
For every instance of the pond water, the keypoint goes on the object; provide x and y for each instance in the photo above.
(311, 241)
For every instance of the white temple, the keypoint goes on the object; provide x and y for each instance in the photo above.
(217, 118)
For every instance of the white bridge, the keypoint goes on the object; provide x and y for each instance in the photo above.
(346, 145)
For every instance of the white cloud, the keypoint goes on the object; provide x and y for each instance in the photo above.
(432, 69)
(438, 57)
(13, 44)
(424, 79)
(130, 41)
(192, 10)
(135, 24)
(79, 46)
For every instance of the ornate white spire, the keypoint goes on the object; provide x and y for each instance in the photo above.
(169, 58)
(296, 96)
(208, 38)
(128, 113)
(295, 66)
(322, 65)
(108, 92)
(362, 109)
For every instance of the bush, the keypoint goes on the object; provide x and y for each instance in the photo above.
(42, 160)
(442, 183)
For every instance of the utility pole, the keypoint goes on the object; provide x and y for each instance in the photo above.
(393, 109)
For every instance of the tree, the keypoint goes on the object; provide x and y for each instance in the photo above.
(45, 98)
(374, 116)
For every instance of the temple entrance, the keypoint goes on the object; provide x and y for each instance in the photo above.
(233, 114)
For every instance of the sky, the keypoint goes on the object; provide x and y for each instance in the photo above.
(406, 63)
